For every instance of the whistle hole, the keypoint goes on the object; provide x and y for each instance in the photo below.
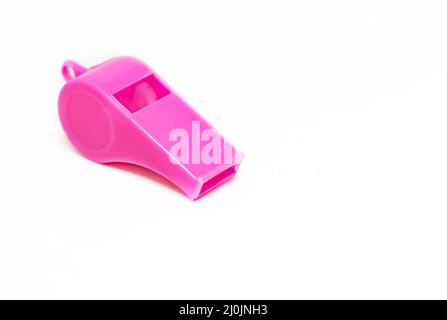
(142, 93)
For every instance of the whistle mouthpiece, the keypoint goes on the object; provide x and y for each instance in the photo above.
(122, 111)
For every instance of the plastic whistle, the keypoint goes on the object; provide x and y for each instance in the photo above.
(121, 111)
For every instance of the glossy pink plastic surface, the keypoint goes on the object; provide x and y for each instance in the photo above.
(121, 111)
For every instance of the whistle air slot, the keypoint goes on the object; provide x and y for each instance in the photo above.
(217, 180)
(142, 93)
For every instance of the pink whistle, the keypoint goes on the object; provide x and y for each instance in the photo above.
(122, 111)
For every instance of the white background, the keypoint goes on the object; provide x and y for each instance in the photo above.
(340, 108)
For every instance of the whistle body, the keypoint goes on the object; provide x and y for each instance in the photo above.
(122, 111)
